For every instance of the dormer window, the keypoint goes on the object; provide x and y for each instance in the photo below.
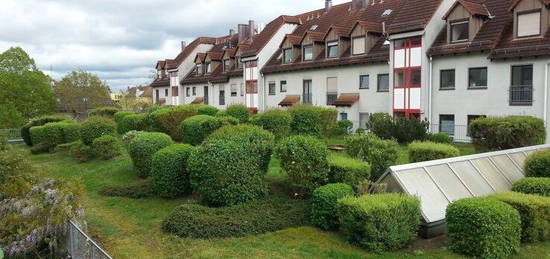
(313, 27)
(332, 49)
(307, 53)
(239, 63)
(208, 68)
(287, 56)
(460, 30)
(226, 65)
(200, 69)
(528, 23)
(358, 45)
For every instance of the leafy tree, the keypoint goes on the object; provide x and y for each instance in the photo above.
(25, 92)
(79, 91)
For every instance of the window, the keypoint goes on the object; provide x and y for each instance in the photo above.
(287, 56)
(313, 27)
(283, 87)
(194, 91)
(252, 87)
(157, 97)
(528, 23)
(447, 124)
(308, 53)
(399, 78)
(359, 45)
(383, 83)
(242, 89)
(332, 49)
(472, 118)
(460, 31)
(208, 68)
(205, 98)
(521, 90)
(188, 91)
(447, 80)
(332, 90)
(239, 63)
(166, 92)
(343, 116)
(477, 77)
(222, 97)
(416, 77)
(233, 90)
(271, 88)
(364, 81)
(200, 69)
(306, 93)
(226, 63)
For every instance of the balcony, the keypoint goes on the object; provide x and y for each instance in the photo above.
(521, 95)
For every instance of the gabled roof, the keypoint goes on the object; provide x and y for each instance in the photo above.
(214, 55)
(229, 52)
(369, 26)
(516, 2)
(315, 36)
(339, 30)
(161, 82)
(474, 8)
(260, 40)
(294, 40)
(413, 15)
(188, 50)
(200, 57)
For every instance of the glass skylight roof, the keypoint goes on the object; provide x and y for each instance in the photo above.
(440, 182)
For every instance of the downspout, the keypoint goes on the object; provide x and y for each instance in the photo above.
(546, 93)
(264, 93)
(430, 86)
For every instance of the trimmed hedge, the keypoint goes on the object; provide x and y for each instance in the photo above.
(195, 129)
(137, 122)
(227, 172)
(440, 138)
(121, 114)
(427, 151)
(538, 164)
(134, 190)
(253, 218)
(54, 133)
(239, 111)
(381, 222)
(168, 120)
(129, 136)
(25, 130)
(276, 121)
(207, 110)
(228, 120)
(323, 209)
(402, 129)
(104, 111)
(483, 227)
(534, 211)
(107, 147)
(533, 185)
(498, 133)
(380, 154)
(304, 159)
(306, 120)
(143, 147)
(169, 170)
(95, 127)
(347, 170)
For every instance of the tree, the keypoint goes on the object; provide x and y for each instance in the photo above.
(25, 92)
(79, 91)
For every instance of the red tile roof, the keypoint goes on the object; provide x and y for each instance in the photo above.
(188, 50)
(346, 99)
(413, 15)
(197, 100)
(516, 2)
(161, 82)
(290, 100)
(260, 40)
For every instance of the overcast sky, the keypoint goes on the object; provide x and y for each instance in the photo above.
(120, 40)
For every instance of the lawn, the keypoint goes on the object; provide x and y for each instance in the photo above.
(129, 228)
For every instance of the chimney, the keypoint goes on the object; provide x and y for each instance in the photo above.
(252, 28)
(358, 4)
(243, 32)
(183, 45)
(328, 5)
(231, 32)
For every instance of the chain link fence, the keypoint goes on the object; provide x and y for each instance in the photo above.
(81, 246)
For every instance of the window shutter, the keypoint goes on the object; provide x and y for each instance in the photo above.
(529, 24)
(332, 85)
(358, 45)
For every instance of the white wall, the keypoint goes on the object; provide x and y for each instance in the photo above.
(161, 91)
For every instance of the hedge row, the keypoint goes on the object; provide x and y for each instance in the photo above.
(104, 111)
(54, 133)
(402, 129)
(426, 151)
(498, 133)
(347, 170)
(168, 120)
(25, 130)
(533, 185)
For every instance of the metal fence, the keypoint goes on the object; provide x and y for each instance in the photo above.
(13, 135)
(459, 133)
(81, 246)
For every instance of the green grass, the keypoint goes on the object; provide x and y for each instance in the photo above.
(129, 228)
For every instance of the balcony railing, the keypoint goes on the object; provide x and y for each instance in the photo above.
(521, 95)
(331, 98)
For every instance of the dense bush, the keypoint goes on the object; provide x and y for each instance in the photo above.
(483, 227)
(66, 147)
(40, 149)
(4, 145)
(81, 152)
(228, 120)
(347, 170)
(168, 120)
(323, 204)
(534, 211)
(343, 127)
(55, 133)
(12, 167)
(276, 121)
(304, 159)
(402, 129)
(306, 120)
(129, 136)
(380, 154)
(107, 147)
(227, 172)
(379, 222)
(381, 124)
(507, 132)
(426, 151)
(132, 122)
(253, 218)
(134, 190)
(143, 147)
(238, 111)
(328, 118)
(533, 185)
(538, 164)
(121, 114)
(440, 138)
(169, 170)
(95, 127)
(25, 130)
(104, 111)
(195, 129)
(207, 110)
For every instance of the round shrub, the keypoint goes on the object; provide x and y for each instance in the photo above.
(238, 111)
(104, 111)
(306, 120)
(207, 110)
(347, 170)
(121, 114)
(81, 152)
(195, 129)
(169, 170)
(96, 127)
(276, 121)
(323, 204)
(143, 147)
(483, 227)
(533, 185)
(228, 120)
(226, 172)
(328, 118)
(538, 164)
(381, 222)
(129, 136)
(304, 159)
(25, 130)
(498, 133)
(380, 154)
(132, 122)
(343, 127)
(107, 147)
(168, 120)
(440, 138)
(426, 151)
